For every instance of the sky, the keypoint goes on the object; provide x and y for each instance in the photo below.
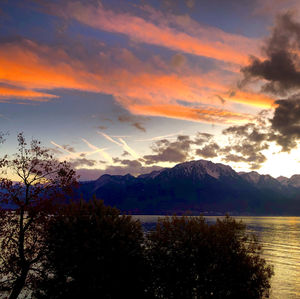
(133, 86)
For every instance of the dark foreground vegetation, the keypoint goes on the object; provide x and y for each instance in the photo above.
(91, 251)
(51, 249)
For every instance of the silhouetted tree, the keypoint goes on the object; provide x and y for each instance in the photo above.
(25, 206)
(192, 259)
(93, 252)
(2, 159)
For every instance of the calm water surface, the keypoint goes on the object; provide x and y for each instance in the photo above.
(280, 237)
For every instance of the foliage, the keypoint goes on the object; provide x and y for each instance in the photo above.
(93, 251)
(191, 259)
(25, 206)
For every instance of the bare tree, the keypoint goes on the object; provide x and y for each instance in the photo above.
(2, 159)
(26, 203)
(1, 137)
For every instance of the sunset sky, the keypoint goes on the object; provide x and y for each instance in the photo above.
(131, 86)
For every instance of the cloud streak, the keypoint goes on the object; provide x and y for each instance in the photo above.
(122, 143)
(8, 92)
(96, 149)
(80, 156)
(33, 67)
(206, 115)
(141, 30)
(35, 71)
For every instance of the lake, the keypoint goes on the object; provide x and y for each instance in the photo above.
(280, 239)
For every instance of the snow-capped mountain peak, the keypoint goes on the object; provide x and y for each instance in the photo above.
(201, 168)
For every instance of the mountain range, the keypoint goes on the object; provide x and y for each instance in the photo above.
(197, 187)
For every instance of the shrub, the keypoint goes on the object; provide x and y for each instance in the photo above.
(191, 259)
(93, 251)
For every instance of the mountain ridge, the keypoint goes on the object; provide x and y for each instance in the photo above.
(198, 187)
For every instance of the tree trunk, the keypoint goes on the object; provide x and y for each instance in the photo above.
(19, 284)
(20, 281)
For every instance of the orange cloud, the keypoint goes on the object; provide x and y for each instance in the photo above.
(30, 68)
(250, 98)
(207, 115)
(10, 92)
(213, 43)
(33, 67)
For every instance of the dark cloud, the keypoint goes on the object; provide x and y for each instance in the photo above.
(250, 152)
(126, 118)
(129, 163)
(167, 151)
(222, 100)
(82, 162)
(139, 126)
(280, 72)
(286, 118)
(202, 138)
(125, 153)
(102, 127)
(208, 151)
(281, 67)
(68, 148)
(250, 131)
(246, 143)
(135, 121)
(286, 123)
(234, 158)
(256, 164)
(168, 154)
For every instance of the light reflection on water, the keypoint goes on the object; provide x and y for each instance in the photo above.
(280, 238)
